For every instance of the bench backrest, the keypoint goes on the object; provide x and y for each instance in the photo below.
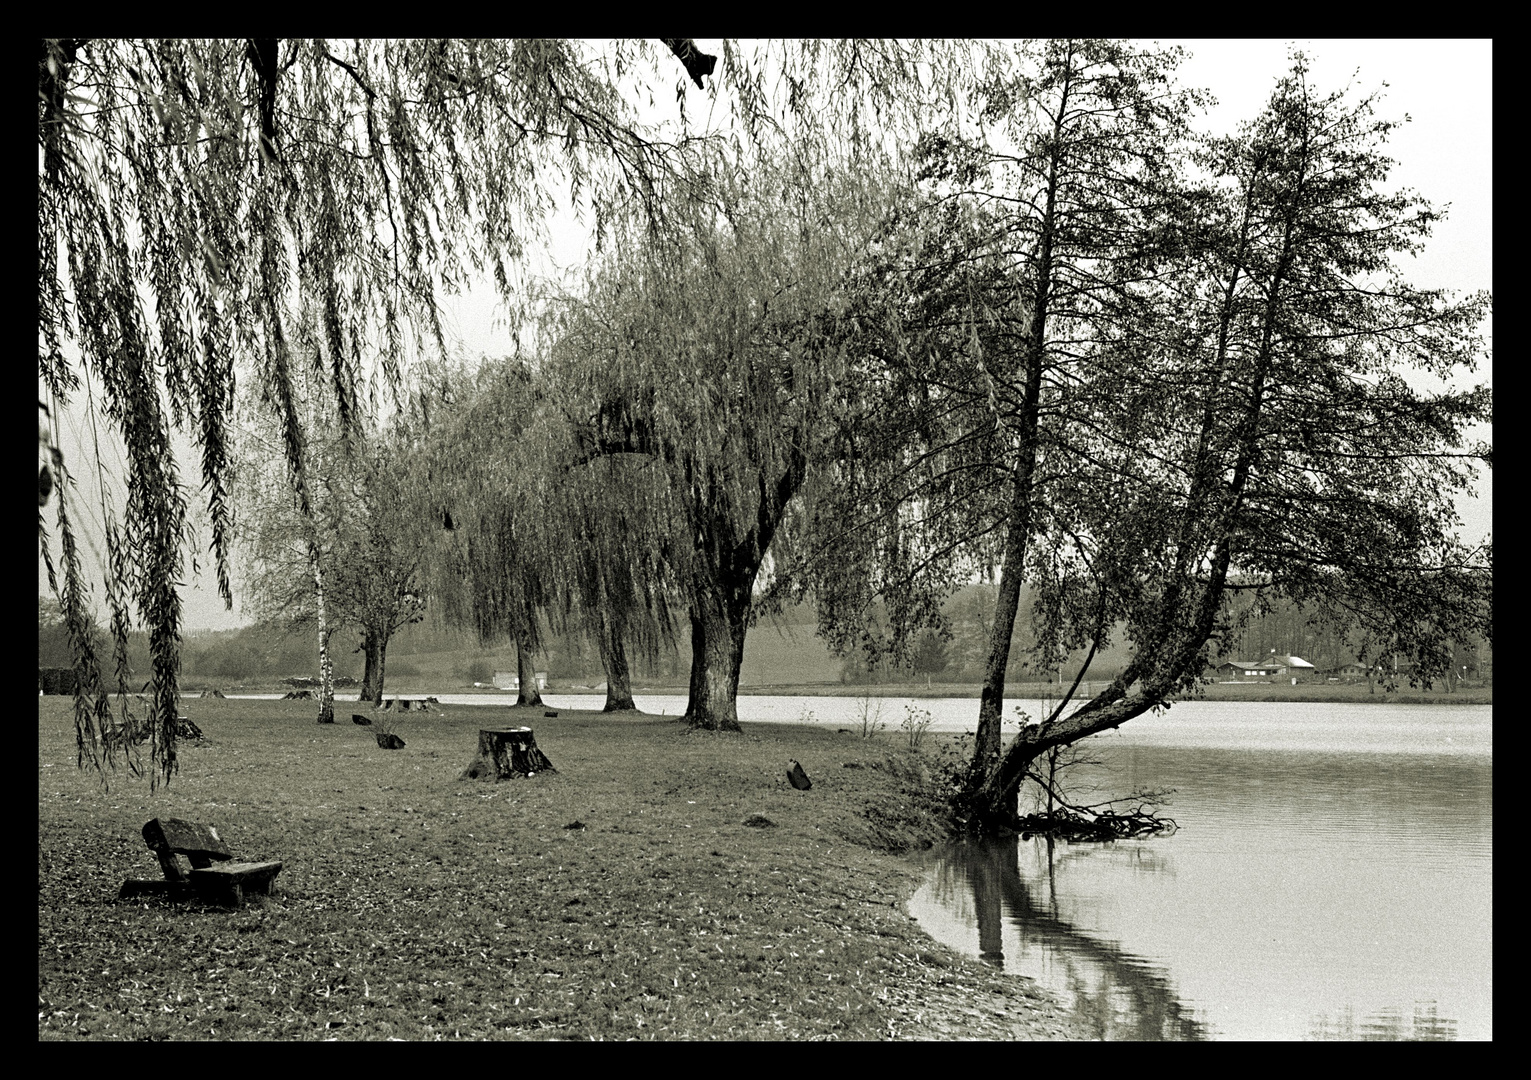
(169, 837)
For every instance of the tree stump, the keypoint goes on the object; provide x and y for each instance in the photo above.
(507, 752)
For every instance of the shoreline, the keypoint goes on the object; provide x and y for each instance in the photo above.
(1350, 693)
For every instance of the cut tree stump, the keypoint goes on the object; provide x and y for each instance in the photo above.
(507, 752)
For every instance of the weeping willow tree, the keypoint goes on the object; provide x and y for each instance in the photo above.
(528, 540)
(714, 358)
(485, 433)
(618, 572)
(204, 206)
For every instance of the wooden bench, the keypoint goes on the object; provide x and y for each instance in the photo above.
(213, 875)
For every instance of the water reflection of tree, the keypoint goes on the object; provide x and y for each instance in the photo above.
(1390, 1025)
(1116, 996)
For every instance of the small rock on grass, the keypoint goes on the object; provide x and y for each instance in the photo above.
(759, 821)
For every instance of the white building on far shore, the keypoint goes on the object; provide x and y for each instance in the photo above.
(510, 680)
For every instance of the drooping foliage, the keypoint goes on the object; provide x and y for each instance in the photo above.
(488, 477)
(204, 205)
(719, 356)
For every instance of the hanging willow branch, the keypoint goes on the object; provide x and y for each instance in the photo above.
(203, 205)
(207, 207)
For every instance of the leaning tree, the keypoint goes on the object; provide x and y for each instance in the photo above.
(1257, 423)
(1210, 382)
(973, 324)
(1294, 451)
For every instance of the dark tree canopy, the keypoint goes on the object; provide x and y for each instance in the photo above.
(1143, 375)
(978, 312)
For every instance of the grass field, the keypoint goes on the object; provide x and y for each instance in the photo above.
(415, 906)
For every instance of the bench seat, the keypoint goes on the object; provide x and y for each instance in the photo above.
(214, 876)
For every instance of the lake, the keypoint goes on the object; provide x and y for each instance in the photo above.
(1331, 876)
(1331, 879)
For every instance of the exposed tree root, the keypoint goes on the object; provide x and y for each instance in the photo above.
(1064, 824)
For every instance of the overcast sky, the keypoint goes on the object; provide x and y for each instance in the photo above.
(1444, 152)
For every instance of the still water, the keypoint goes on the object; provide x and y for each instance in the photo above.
(1335, 885)
(1331, 877)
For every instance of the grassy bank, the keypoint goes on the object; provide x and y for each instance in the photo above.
(413, 905)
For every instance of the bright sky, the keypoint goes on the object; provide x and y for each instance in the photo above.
(1445, 153)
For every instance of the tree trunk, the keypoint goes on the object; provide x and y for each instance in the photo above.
(986, 749)
(326, 671)
(375, 646)
(717, 652)
(991, 701)
(526, 670)
(619, 684)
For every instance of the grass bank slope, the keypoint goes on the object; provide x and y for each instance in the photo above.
(413, 905)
